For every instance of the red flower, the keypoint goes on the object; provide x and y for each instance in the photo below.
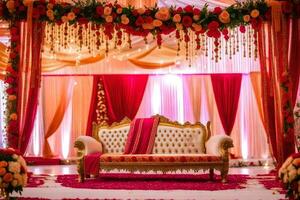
(290, 119)
(242, 29)
(213, 25)
(187, 21)
(148, 20)
(82, 20)
(13, 55)
(217, 10)
(139, 21)
(9, 80)
(10, 91)
(35, 13)
(214, 33)
(99, 10)
(255, 23)
(225, 31)
(135, 12)
(14, 38)
(179, 10)
(197, 11)
(76, 10)
(188, 9)
(14, 31)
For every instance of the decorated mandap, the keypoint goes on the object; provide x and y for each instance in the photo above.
(67, 65)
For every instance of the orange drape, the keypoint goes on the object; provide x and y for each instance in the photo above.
(256, 85)
(59, 111)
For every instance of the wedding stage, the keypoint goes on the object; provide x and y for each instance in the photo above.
(151, 99)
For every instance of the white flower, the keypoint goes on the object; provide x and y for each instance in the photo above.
(14, 167)
(291, 167)
(285, 179)
(22, 162)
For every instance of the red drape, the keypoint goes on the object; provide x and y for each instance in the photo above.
(294, 56)
(33, 81)
(123, 94)
(226, 89)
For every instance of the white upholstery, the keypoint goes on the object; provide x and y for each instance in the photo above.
(169, 139)
(214, 144)
(91, 144)
(175, 140)
(113, 140)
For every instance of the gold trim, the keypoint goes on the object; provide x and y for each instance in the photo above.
(80, 162)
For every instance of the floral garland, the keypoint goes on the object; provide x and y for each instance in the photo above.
(12, 122)
(142, 21)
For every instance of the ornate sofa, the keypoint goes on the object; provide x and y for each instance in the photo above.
(176, 147)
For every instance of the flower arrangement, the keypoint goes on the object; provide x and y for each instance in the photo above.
(297, 125)
(289, 173)
(13, 172)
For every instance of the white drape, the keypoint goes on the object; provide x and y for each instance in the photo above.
(170, 95)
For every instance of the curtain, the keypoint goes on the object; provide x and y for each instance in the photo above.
(276, 62)
(226, 89)
(123, 95)
(294, 55)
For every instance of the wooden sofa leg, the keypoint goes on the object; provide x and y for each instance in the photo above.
(80, 170)
(211, 174)
(224, 173)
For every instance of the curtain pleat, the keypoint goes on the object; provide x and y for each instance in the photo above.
(226, 89)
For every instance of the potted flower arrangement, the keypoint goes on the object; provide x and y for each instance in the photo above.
(13, 172)
(289, 173)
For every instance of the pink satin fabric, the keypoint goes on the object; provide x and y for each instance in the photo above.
(91, 164)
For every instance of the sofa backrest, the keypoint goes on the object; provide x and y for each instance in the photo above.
(171, 137)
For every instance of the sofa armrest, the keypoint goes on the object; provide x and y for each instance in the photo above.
(86, 145)
(218, 145)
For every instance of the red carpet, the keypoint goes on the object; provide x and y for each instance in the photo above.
(168, 182)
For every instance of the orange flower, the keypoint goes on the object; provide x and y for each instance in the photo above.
(197, 27)
(50, 6)
(124, 20)
(8, 177)
(246, 18)
(157, 23)
(26, 2)
(196, 17)
(163, 14)
(10, 5)
(141, 11)
(3, 163)
(254, 13)
(13, 116)
(119, 10)
(148, 26)
(224, 17)
(64, 19)
(109, 19)
(12, 97)
(71, 16)
(177, 18)
(107, 10)
(2, 171)
(50, 14)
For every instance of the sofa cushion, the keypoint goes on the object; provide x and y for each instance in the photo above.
(105, 158)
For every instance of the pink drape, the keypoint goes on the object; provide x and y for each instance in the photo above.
(31, 79)
(123, 95)
(226, 89)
